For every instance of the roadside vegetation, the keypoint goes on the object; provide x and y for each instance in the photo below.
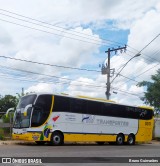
(152, 94)
(6, 102)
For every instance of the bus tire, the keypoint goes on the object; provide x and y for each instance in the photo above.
(40, 142)
(57, 138)
(131, 139)
(120, 139)
(100, 143)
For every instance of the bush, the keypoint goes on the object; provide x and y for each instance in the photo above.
(6, 119)
(1, 134)
(1, 137)
(5, 132)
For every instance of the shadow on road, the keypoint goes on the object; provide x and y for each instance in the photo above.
(77, 144)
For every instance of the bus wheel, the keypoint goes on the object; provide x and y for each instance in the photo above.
(120, 139)
(100, 143)
(40, 142)
(57, 138)
(131, 139)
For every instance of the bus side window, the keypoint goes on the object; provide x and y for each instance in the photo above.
(78, 106)
(61, 104)
(41, 110)
(94, 107)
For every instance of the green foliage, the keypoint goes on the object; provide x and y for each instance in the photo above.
(1, 134)
(6, 119)
(8, 101)
(1, 137)
(5, 132)
(152, 94)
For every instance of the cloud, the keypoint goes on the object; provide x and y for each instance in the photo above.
(66, 12)
(43, 88)
(141, 20)
(64, 52)
(146, 29)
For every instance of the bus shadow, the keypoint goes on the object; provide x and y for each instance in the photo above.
(78, 144)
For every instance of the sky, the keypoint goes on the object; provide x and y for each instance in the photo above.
(67, 40)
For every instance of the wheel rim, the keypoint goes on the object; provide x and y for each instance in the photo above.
(130, 140)
(56, 139)
(120, 140)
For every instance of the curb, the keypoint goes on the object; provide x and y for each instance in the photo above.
(11, 142)
(14, 142)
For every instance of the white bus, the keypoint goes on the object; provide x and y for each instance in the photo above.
(60, 118)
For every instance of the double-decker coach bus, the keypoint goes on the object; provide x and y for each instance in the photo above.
(60, 118)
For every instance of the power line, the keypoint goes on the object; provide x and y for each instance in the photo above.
(130, 79)
(60, 82)
(138, 54)
(47, 64)
(52, 76)
(148, 70)
(87, 70)
(66, 31)
(58, 27)
(141, 74)
(50, 32)
(41, 74)
(148, 58)
(124, 67)
(149, 43)
(74, 68)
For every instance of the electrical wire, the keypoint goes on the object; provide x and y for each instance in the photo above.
(51, 32)
(62, 29)
(60, 82)
(85, 41)
(138, 54)
(47, 64)
(72, 84)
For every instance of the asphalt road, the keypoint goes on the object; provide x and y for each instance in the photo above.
(91, 151)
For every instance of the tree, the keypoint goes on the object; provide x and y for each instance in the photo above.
(8, 101)
(152, 94)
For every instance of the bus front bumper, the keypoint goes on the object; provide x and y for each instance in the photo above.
(29, 137)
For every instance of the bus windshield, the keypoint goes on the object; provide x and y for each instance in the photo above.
(21, 121)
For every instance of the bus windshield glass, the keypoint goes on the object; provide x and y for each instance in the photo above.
(21, 121)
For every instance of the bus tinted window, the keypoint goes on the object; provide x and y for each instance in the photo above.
(68, 104)
(139, 113)
(113, 110)
(116, 110)
(61, 103)
(41, 110)
(94, 107)
(24, 101)
(78, 105)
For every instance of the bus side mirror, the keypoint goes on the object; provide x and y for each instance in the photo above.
(26, 109)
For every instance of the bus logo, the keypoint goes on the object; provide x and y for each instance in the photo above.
(88, 118)
(55, 118)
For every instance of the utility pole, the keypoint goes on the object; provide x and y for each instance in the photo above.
(22, 91)
(107, 70)
(108, 75)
